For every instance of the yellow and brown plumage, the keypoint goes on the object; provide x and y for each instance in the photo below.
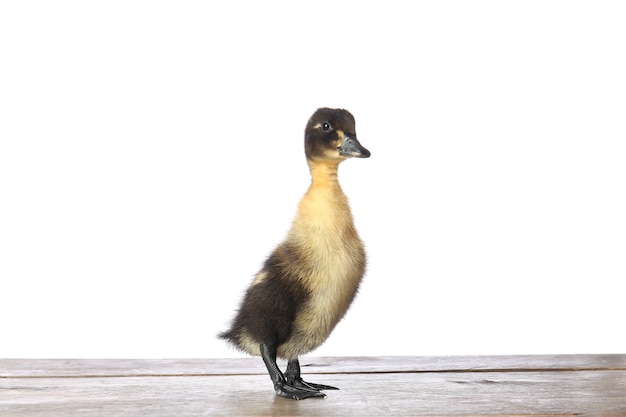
(308, 282)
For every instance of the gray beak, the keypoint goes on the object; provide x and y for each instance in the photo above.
(352, 148)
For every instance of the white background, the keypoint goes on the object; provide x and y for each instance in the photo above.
(151, 157)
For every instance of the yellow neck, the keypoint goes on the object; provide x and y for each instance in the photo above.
(323, 172)
(324, 205)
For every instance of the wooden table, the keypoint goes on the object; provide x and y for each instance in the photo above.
(561, 385)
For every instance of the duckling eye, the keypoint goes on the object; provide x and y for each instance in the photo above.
(326, 127)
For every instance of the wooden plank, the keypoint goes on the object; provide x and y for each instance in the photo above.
(254, 366)
(566, 393)
(581, 385)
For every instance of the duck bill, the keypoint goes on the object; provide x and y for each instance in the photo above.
(351, 148)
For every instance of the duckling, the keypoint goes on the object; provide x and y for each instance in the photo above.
(308, 282)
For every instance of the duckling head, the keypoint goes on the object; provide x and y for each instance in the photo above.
(330, 134)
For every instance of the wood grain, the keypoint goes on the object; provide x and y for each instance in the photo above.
(568, 385)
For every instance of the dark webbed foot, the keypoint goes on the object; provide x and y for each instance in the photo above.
(290, 385)
(300, 383)
(283, 387)
(292, 375)
(296, 393)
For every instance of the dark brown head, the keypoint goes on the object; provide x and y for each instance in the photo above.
(330, 134)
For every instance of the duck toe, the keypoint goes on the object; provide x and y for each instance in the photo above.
(296, 393)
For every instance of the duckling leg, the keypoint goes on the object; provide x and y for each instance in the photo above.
(281, 386)
(292, 375)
